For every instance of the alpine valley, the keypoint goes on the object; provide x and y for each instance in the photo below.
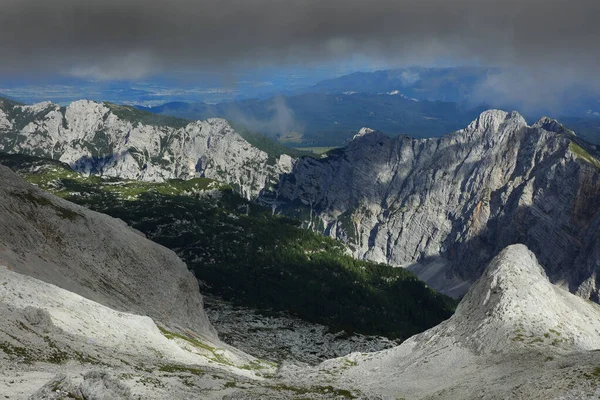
(331, 276)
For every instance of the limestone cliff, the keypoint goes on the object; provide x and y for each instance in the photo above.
(444, 207)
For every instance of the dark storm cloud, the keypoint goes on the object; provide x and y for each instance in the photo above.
(134, 38)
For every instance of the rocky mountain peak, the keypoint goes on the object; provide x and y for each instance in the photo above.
(363, 132)
(549, 124)
(513, 332)
(514, 304)
(119, 141)
(443, 207)
(491, 121)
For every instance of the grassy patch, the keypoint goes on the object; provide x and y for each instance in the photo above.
(584, 154)
(212, 353)
(172, 368)
(16, 351)
(39, 201)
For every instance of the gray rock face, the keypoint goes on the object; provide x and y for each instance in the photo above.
(98, 138)
(444, 207)
(95, 256)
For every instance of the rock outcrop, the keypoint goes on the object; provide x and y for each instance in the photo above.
(445, 207)
(514, 335)
(118, 141)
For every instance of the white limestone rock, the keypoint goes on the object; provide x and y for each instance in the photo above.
(95, 256)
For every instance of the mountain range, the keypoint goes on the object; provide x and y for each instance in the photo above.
(462, 197)
(330, 119)
(118, 141)
(502, 212)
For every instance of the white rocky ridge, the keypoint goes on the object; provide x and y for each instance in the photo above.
(95, 256)
(514, 335)
(111, 140)
(444, 207)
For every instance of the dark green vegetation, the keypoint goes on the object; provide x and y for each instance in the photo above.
(246, 255)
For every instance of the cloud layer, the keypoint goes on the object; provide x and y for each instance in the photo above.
(133, 38)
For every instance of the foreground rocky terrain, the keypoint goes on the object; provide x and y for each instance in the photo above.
(80, 290)
(445, 207)
(283, 338)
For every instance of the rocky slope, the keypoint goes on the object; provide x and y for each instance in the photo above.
(111, 140)
(444, 207)
(80, 290)
(95, 256)
(514, 335)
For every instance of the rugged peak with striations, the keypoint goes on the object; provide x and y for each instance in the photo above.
(551, 125)
(119, 141)
(493, 124)
(445, 207)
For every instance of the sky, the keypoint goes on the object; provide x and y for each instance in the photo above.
(552, 43)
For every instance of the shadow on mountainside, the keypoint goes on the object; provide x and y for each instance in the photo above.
(95, 164)
(547, 201)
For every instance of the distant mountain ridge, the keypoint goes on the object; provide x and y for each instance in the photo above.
(330, 119)
(453, 84)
